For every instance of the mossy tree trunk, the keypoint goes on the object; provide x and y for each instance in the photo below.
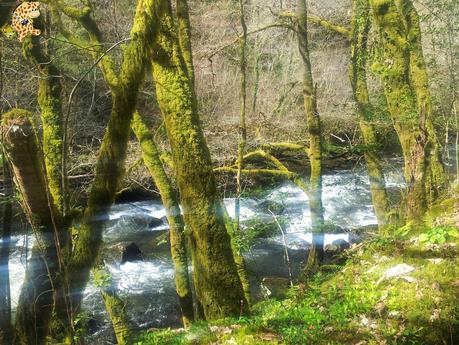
(114, 305)
(50, 103)
(359, 37)
(5, 235)
(184, 35)
(315, 142)
(436, 178)
(112, 154)
(408, 108)
(36, 300)
(150, 154)
(218, 286)
(243, 107)
(169, 197)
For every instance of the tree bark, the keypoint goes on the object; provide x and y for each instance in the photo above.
(407, 105)
(315, 142)
(218, 286)
(36, 300)
(5, 296)
(357, 70)
(169, 198)
(50, 103)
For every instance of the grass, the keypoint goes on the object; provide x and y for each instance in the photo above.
(351, 305)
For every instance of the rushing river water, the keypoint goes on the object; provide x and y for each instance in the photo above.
(148, 285)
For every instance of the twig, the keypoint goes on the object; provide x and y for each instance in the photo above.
(286, 256)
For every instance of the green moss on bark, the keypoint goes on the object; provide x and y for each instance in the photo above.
(112, 154)
(152, 160)
(411, 122)
(357, 71)
(315, 141)
(218, 286)
(50, 102)
(36, 299)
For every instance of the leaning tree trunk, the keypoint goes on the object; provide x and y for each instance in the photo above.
(5, 234)
(218, 286)
(152, 160)
(407, 106)
(359, 37)
(112, 154)
(36, 300)
(315, 143)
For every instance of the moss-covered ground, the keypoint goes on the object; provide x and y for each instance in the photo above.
(356, 303)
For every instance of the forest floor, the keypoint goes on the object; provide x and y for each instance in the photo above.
(402, 289)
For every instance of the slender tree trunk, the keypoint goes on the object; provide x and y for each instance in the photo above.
(218, 286)
(152, 160)
(114, 305)
(36, 300)
(5, 296)
(242, 121)
(315, 143)
(407, 106)
(359, 36)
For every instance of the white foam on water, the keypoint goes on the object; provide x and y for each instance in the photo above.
(139, 276)
(246, 208)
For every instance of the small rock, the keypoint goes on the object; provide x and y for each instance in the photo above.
(131, 253)
(393, 313)
(268, 337)
(436, 286)
(435, 261)
(380, 307)
(396, 271)
(155, 222)
(435, 315)
(409, 279)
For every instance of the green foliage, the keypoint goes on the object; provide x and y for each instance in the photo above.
(102, 278)
(439, 235)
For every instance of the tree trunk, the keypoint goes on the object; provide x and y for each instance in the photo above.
(218, 286)
(112, 154)
(436, 178)
(184, 35)
(152, 160)
(359, 36)
(50, 102)
(407, 106)
(5, 296)
(36, 300)
(315, 143)
(114, 305)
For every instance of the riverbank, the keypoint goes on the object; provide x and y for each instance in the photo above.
(401, 289)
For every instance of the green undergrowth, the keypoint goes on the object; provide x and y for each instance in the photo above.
(352, 304)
